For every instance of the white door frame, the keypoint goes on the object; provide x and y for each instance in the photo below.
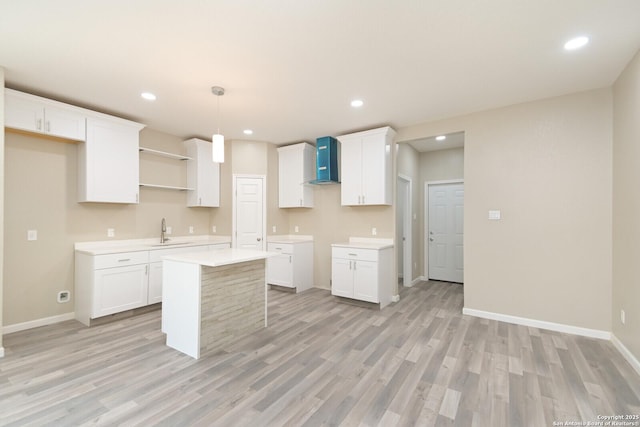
(426, 219)
(407, 245)
(234, 230)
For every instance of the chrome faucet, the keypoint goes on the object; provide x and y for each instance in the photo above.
(163, 229)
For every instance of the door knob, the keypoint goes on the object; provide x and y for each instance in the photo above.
(431, 239)
(259, 239)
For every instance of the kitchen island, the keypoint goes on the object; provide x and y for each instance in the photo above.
(211, 299)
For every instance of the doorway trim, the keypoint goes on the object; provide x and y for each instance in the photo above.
(234, 230)
(407, 224)
(426, 218)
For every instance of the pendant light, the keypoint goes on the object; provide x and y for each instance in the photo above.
(217, 141)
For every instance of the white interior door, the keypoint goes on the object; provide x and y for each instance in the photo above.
(249, 213)
(445, 232)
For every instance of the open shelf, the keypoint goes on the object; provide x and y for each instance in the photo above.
(165, 187)
(163, 154)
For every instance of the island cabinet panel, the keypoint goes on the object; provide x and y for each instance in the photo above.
(233, 303)
(212, 299)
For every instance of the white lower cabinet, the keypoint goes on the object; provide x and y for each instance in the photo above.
(107, 284)
(362, 274)
(292, 267)
(119, 289)
(112, 283)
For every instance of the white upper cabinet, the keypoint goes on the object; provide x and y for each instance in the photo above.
(31, 113)
(108, 162)
(296, 167)
(203, 175)
(366, 169)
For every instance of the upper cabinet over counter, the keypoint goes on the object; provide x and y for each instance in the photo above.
(31, 113)
(296, 168)
(108, 149)
(366, 169)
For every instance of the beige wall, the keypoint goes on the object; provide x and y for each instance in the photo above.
(626, 207)
(41, 195)
(1, 202)
(547, 165)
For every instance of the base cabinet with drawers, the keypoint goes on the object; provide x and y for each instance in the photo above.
(112, 283)
(292, 267)
(362, 274)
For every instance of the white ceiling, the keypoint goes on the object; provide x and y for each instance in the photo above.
(291, 67)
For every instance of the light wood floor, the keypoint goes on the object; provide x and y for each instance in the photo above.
(320, 362)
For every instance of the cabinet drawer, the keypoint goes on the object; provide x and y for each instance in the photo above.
(284, 248)
(355, 253)
(121, 259)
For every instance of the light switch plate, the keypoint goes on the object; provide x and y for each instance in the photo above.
(111, 232)
(169, 230)
(191, 229)
(296, 229)
(213, 229)
(32, 234)
(273, 229)
(495, 215)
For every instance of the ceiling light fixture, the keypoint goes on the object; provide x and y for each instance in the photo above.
(248, 132)
(576, 43)
(441, 138)
(217, 140)
(356, 103)
(148, 96)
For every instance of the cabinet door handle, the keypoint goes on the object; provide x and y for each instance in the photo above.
(354, 265)
(47, 126)
(146, 270)
(289, 259)
(39, 124)
(124, 260)
(200, 201)
(353, 254)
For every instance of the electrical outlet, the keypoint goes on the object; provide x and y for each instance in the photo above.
(64, 296)
(622, 316)
(273, 229)
(374, 231)
(191, 229)
(296, 229)
(169, 230)
(32, 234)
(111, 232)
(213, 229)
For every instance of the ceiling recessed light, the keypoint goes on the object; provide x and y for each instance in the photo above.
(148, 96)
(248, 132)
(357, 103)
(576, 43)
(441, 138)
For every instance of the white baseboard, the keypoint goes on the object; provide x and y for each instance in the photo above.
(633, 361)
(558, 327)
(16, 327)
(395, 298)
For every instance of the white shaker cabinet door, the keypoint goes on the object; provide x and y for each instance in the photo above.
(342, 277)
(108, 163)
(351, 172)
(119, 289)
(365, 282)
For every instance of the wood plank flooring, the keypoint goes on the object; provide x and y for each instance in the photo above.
(320, 362)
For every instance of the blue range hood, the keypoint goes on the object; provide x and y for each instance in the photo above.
(327, 161)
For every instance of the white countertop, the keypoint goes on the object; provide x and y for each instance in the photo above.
(221, 257)
(289, 238)
(134, 245)
(365, 243)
